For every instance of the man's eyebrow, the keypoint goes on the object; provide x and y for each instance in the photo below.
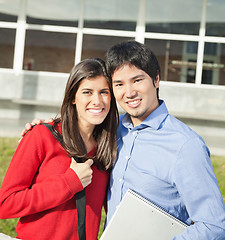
(116, 81)
(135, 77)
(138, 76)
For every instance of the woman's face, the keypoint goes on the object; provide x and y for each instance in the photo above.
(92, 101)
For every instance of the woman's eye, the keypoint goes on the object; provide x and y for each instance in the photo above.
(105, 92)
(87, 92)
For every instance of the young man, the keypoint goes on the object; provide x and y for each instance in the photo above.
(158, 156)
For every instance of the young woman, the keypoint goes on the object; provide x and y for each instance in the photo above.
(43, 178)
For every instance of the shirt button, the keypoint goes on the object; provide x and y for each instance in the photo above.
(126, 157)
(120, 180)
(134, 133)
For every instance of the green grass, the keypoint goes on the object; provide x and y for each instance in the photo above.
(219, 170)
(8, 146)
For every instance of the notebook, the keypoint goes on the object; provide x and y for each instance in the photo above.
(6, 237)
(137, 218)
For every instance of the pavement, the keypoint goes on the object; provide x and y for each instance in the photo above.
(213, 136)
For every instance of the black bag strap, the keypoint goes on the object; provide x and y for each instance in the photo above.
(80, 196)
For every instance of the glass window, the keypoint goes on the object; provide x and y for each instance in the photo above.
(117, 14)
(177, 59)
(49, 12)
(96, 46)
(7, 43)
(8, 18)
(9, 10)
(173, 16)
(49, 51)
(215, 18)
(214, 64)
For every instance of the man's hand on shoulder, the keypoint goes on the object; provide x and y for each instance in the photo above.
(36, 121)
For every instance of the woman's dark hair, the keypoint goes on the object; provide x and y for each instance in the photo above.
(104, 133)
(133, 53)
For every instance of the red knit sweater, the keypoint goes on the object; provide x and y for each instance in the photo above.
(39, 188)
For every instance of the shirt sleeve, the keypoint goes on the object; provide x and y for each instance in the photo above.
(19, 196)
(199, 190)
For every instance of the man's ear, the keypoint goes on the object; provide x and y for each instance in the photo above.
(156, 81)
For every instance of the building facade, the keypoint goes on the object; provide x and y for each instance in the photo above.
(40, 40)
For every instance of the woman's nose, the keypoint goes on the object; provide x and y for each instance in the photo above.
(96, 99)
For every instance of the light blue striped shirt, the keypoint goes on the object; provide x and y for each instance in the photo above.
(168, 163)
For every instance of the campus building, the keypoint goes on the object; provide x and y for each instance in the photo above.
(40, 40)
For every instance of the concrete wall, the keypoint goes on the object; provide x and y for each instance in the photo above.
(46, 90)
(201, 108)
(206, 102)
(32, 95)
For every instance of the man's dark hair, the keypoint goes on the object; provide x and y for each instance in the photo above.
(132, 53)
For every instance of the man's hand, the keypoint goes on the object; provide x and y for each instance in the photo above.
(36, 121)
(83, 171)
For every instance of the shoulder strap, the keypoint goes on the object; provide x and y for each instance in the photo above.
(80, 196)
(56, 134)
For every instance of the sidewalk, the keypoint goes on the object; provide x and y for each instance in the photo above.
(214, 137)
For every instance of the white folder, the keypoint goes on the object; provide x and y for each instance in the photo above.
(6, 237)
(137, 218)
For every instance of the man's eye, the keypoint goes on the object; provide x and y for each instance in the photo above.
(87, 92)
(118, 85)
(138, 80)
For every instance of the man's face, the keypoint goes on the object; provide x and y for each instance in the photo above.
(135, 92)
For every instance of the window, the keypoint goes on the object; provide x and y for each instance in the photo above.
(96, 46)
(57, 33)
(117, 14)
(215, 18)
(49, 51)
(9, 10)
(60, 13)
(173, 16)
(175, 62)
(214, 64)
(7, 17)
(7, 44)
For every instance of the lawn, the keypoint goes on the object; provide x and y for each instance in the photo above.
(8, 146)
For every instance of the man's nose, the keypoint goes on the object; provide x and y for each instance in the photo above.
(130, 91)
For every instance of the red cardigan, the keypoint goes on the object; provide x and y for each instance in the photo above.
(39, 188)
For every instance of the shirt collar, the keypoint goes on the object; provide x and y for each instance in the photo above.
(154, 120)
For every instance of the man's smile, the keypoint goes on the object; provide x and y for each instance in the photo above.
(134, 103)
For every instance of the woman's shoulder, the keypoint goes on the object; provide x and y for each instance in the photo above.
(41, 131)
(48, 127)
